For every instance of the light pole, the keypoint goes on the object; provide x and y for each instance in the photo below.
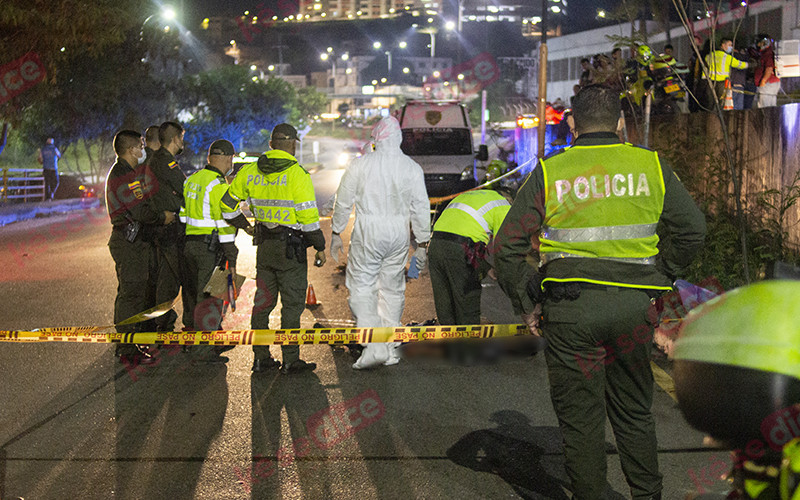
(330, 55)
(431, 30)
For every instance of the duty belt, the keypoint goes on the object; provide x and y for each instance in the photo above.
(455, 238)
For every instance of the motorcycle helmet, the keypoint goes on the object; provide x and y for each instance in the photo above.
(737, 365)
(645, 54)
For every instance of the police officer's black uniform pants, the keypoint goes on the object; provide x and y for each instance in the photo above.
(134, 263)
(275, 274)
(456, 284)
(598, 362)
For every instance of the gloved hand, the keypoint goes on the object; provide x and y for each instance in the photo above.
(422, 258)
(337, 247)
(532, 320)
(319, 258)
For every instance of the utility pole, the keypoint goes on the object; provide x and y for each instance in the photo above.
(540, 109)
(280, 48)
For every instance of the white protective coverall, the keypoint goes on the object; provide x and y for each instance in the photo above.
(388, 191)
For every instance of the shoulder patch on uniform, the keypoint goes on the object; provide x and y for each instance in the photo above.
(173, 164)
(136, 189)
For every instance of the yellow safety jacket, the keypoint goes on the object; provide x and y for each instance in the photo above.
(719, 65)
(278, 190)
(202, 192)
(474, 214)
(602, 202)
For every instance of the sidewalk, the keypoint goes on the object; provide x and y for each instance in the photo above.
(16, 212)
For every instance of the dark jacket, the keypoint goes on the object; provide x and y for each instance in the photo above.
(127, 196)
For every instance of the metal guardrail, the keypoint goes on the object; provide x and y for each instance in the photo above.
(26, 184)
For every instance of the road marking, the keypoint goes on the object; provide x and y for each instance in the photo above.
(663, 380)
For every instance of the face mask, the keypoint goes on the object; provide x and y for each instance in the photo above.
(729, 50)
(141, 159)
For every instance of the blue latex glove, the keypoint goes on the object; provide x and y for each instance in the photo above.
(413, 270)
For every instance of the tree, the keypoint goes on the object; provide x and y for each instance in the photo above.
(59, 32)
(310, 102)
(227, 103)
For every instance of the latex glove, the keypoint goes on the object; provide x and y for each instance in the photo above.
(169, 218)
(319, 258)
(532, 320)
(337, 247)
(422, 258)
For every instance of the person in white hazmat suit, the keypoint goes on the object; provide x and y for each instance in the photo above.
(387, 189)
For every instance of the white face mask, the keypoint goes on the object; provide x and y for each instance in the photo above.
(729, 50)
(141, 159)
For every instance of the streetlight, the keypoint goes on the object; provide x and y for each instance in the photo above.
(330, 55)
(431, 30)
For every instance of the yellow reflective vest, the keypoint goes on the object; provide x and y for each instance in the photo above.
(202, 192)
(474, 214)
(719, 65)
(602, 202)
(278, 190)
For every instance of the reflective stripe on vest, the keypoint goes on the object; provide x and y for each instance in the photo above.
(599, 233)
(551, 256)
(475, 214)
(604, 203)
(201, 190)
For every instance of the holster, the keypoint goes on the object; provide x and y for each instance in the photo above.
(296, 245)
(212, 240)
(132, 229)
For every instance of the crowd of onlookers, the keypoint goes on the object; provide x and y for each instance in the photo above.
(743, 74)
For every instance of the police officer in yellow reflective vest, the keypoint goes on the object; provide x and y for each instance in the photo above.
(457, 254)
(719, 63)
(209, 239)
(595, 207)
(282, 200)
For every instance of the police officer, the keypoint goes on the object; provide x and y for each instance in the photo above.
(457, 259)
(457, 253)
(130, 209)
(595, 207)
(168, 195)
(151, 143)
(282, 200)
(719, 63)
(210, 241)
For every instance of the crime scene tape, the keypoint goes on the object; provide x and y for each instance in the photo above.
(449, 197)
(292, 336)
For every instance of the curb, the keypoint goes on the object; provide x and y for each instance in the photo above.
(24, 211)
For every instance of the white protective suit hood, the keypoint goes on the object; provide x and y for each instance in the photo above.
(387, 189)
(386, 135)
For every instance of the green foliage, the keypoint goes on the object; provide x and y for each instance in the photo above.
(44, 27)
(309, 103)
(226, 103)
(703, 170)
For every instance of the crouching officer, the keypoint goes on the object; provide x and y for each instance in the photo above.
(457, 253)
(209, 239)
(457, 257)
(595, 207)
(282, 200)
(131, 211)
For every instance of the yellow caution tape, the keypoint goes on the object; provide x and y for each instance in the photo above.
(294, 336)
(449, 197)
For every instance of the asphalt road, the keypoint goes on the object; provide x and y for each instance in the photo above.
(74, 423)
